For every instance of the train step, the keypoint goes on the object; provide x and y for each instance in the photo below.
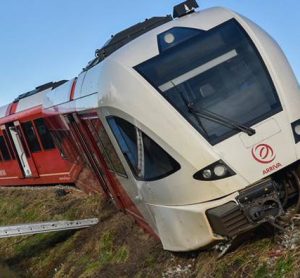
(45, 227)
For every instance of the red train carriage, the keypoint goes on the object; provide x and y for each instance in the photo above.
(28, 154)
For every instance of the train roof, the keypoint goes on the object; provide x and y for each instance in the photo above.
(40, 88)
(126, 36)
(29, 99)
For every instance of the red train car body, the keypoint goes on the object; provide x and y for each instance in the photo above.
(28, 153)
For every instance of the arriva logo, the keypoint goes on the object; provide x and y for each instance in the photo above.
(263, 153)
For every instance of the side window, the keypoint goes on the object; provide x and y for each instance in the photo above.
(125, 134)
(158, 163)
(8, 144)
(108, 151)
(62, 139)
(45, 136)
(146, 158)
(31, 138)
(4, 149)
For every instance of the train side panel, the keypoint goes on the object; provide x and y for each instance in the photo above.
(28, 154)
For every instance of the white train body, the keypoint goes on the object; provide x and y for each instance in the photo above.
(141, 84)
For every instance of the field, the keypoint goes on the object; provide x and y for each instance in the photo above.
(117, 247)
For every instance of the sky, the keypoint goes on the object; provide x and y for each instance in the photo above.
(51, 40)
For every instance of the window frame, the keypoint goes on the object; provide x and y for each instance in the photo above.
(109, 162)
(212, 141)
(40, 138)
(2, 138)
(35, 134)
(9, 144)
(139, 145)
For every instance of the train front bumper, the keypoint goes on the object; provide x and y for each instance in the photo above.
(190, 227)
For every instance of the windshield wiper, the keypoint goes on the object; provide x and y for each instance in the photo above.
(219, 119)
(206, 114)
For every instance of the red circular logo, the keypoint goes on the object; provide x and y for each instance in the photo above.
(263, 153)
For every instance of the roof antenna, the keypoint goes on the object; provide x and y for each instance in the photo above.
(184, 8)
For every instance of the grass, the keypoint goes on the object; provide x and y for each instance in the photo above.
(116, 247)
(284, 266)
(262, 271)
(41, 253)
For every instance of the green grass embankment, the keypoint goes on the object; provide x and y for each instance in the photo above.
(117, 247)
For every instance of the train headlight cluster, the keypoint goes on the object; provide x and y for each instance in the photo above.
(215, 171)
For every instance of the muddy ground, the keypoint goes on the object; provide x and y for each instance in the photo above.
(117, 247)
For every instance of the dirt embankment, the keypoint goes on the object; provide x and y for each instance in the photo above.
(116, 247)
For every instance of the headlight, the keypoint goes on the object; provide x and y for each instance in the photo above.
(297, 129)
(169, 38)
(220, 170)
(206, 174)
(215, 171)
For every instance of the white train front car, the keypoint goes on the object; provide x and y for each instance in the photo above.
(204, 113)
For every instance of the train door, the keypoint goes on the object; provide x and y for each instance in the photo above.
(17, 145)
(95, 131)
(89, 153)
(9, 166)
(90, 132)
(20, 151)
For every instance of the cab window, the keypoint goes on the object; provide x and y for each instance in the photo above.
(147, 160)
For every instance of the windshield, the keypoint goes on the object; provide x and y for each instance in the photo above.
(219, 71)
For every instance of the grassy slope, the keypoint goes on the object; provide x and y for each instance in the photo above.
(116, 247)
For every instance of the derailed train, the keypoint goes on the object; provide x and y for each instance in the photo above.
(190, 124)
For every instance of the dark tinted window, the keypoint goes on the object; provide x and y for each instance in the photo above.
(4, 149)
(125, 134)
(157, 162)
(44, 134)
(31, 138)
(219, 72)
(64, 142)
(8, 143)
(147, 159)
(111, 158)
